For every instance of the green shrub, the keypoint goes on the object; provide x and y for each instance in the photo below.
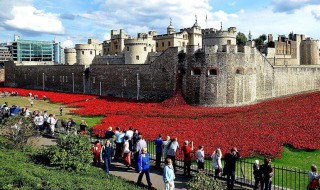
(16, 131)
(19, 172)
(202, 181)
(71, 153)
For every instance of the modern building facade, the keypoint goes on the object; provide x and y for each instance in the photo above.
(5, 54)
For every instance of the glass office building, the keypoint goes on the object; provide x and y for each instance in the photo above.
(29, 50)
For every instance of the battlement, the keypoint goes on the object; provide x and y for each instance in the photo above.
(234, 49)
(209, 33)
(69, 50)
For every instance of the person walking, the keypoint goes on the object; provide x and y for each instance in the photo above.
(267, 173)
(168, 175)
(126, 153)
(230, 166)
(106, 155)
(159, 143)
(119, 142)
(216, 162)
(200, 158)
(143, 165)
(172, 150)
(187, 157)
(52, 123)
(313, 176)
(95, 150)
(257, 175)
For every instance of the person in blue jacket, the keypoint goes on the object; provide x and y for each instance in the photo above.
(143, 165)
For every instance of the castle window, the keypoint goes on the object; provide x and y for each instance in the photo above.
(82, 52)
(116, 46)
(62, 78)
(157, 44)
(137, 57)
(212, 72)
(94, 80)
(145, 48)
(127, 48)
(108, 49)
(162, 44)
(195, 71)
(240, 71)
(169, 44)
(229, 42)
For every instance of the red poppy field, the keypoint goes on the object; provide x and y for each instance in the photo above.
(261, 129)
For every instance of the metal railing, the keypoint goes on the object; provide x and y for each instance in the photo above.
(283, 178)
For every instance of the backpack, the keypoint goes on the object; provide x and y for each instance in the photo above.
(314, 184)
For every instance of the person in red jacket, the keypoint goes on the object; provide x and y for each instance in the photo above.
(187, 157)
(95, 150)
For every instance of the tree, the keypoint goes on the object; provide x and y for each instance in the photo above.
(260, 40)
(241, 39)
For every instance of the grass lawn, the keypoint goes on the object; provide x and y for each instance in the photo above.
(19, 172)
(52, 108)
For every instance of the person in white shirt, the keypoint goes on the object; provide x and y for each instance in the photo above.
(38, 120)
(27, 113)
(52, 123)
(200, 159)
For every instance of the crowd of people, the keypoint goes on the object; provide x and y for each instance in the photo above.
(131, 147)
(43, 121)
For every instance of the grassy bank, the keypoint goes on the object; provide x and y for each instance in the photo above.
(18, 171)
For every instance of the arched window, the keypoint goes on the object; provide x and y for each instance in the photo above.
(240, 71)
(196, 71)
(212, 72)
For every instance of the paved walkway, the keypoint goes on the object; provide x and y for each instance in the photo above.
(120, 170)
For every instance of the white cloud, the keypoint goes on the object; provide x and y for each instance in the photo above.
(30, 19)
(140, 15)
(265, 21)
(316, 13)
(67, 44)
(290, 6)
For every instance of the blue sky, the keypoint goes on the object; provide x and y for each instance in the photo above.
(74, 21)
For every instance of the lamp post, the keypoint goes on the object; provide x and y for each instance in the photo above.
(84, 83)
(72, 82)
(42, 81)
(138, 86)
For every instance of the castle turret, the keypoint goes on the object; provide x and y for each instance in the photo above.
(85, 53)
(213, 37)
(137, 49)
(70, 56)
(309, 52)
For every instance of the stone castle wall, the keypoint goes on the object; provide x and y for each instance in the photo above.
(214, 76)
(157, 81)
(243, 77)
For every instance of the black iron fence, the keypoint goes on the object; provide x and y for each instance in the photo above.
(283, 178)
